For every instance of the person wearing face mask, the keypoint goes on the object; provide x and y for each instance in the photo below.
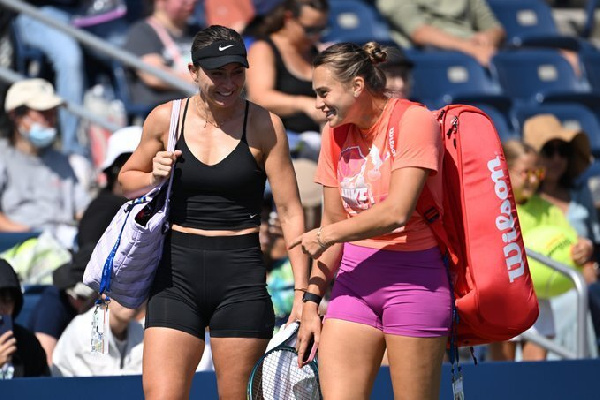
(38, 187)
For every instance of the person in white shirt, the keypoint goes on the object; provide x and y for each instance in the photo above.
(73, 357)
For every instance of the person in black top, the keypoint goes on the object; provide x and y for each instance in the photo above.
(281, 59)
(212, 272)
(21, 354)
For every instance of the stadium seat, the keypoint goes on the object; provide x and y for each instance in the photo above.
(573, 116)
(540, 76)
(590, 12)
(444, 77)
(355, 21)
(8, 240)
(591, 66)
(530, 23)
(501, 123)
(31, 296)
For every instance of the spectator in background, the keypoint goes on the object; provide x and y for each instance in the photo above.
(60, 303)
(468, 26)
(280, 75)
(162, 40)
(68, 296)
(397, 68)
(72, 355)
(21, 354)
(593, 276)
(66, 57)
(565, 154)
(38, 187)
(234, 14)
(105, 205)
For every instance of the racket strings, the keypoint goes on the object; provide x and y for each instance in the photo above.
(279, 378)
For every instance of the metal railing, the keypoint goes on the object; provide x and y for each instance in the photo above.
(99, 45)
(582, 306)
(10, 76)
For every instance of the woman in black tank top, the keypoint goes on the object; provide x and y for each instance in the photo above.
(281, 58)
(212, 274)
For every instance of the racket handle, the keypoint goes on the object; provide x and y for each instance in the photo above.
(309, 355)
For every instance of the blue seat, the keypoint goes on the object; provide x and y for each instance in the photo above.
(9, 240)
(571, 115)
(589, 22)
(530, 23)
(591, 66)
(355, 21)
(444, 77)
(540, 76)
(31, 297)
(501, 123)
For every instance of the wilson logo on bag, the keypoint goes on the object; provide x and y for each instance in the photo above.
(478, 229)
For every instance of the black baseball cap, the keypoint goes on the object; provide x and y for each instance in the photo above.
(219, 54)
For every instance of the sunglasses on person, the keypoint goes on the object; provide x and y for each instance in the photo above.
(537, 173)
(318, 30)
(563, 149)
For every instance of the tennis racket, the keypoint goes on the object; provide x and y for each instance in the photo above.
(276, 376)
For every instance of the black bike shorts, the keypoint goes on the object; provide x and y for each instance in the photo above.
(219, 282)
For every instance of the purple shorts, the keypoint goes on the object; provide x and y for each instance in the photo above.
(398, 292)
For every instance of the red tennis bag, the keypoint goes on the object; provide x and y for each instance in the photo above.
(478, 230)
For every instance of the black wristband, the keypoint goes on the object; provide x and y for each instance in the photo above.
(311, 297)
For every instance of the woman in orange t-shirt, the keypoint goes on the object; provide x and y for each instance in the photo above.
(391, 291)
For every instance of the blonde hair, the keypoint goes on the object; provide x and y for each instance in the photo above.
(515, 149)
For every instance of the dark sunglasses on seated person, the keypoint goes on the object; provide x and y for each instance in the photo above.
(563, 149)
(313, 30)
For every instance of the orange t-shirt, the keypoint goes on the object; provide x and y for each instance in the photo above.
(366, 163)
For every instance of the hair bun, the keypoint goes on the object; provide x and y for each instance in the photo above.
(376, 54)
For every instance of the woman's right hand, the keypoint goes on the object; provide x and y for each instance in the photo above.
(8, 346)
(162, 164)
(309, 332)
(582, 251)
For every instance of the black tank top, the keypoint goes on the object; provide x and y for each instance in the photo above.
(289, 84)
(224, 196)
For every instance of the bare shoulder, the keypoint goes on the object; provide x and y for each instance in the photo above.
(260, 48)
(419, 113)
(158, 121)
(265, 124)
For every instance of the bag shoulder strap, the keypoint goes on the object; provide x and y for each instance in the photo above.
(427, 207)
(173, 129)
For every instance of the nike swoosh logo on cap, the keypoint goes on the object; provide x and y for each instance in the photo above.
(221, 48)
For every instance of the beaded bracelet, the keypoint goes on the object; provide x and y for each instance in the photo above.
(322, 244)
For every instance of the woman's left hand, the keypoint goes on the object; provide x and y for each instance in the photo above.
(310, 244)
(581, 252)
